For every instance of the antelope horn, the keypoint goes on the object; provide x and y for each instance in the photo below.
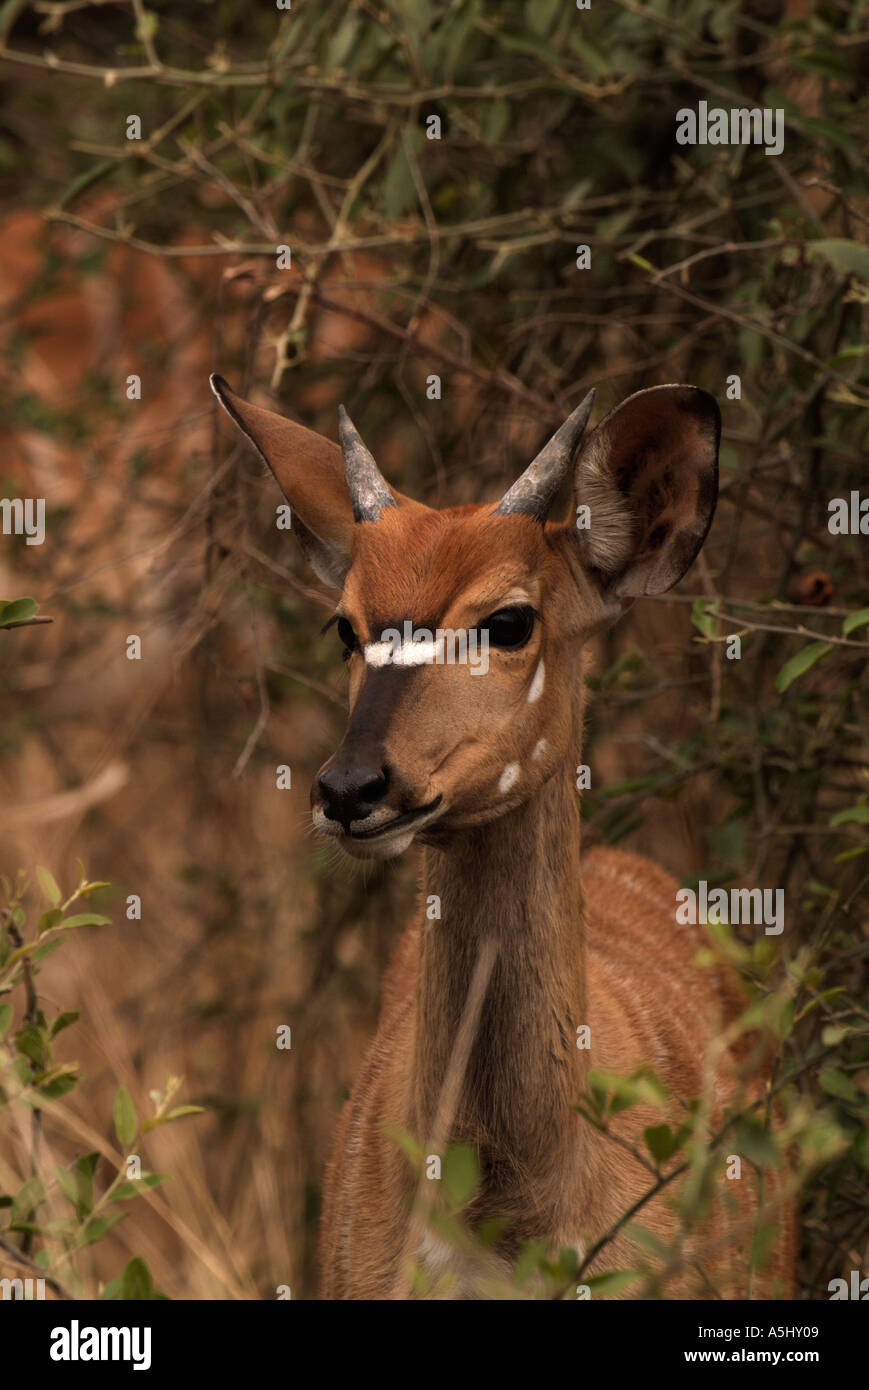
(365, 483)
(534, 492)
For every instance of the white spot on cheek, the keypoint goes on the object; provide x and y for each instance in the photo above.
(537, 684)
(509, 777)
(539, 750)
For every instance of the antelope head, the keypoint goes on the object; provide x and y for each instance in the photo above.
(436, 743)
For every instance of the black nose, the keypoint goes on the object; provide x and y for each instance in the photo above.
(350, 791)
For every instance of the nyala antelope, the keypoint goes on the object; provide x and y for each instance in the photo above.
(481, 771)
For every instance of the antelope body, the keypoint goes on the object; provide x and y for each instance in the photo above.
(478, 1033)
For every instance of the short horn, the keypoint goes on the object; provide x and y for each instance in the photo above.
(369, 493)
(534, 493)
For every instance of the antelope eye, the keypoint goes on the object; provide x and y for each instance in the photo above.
(510, 627)
(347, 635)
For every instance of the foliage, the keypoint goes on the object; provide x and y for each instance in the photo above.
(457, 256)
(38, 1228)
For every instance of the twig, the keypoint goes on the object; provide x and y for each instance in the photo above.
(53, 1284)
(450, 1094)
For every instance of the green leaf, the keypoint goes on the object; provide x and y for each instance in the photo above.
(125, 1191)
(848, 257)
(495, 121)
(460, 1174)
(705, 621)
(526, 43)
(800, 663)
(27, 1199)
(5, 1018)
(834, 132)
(126, 1124)
(77, 1185)
(837, 1083)
(48, 885)
(763, 1240)
(398, 191)
(97, 1228)
(178, 1113)
(855, 620)
(342, 41)
(135, 1283)
(58, 1082)
(532, 1258)
(86, 919)
(824, 61)
(136, 1280)
(624, 1096)
(852, 815)
(180, 1110)
(624, 1091)
(68, 1183)
(785, 1022)
(49, 919)
(660, 1141)
(31, 1042)
(83, 1173)
(85, 180)
(541, 15)
(755, 1143)
(63, 1021)
(18, 610)
(40, 952)
(847, 854)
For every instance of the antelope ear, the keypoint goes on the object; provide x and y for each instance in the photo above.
(648, 474)
(309, 470)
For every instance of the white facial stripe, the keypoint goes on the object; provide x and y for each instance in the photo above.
(423, 653)
(378, 653)
(509, 777)
(537, 684)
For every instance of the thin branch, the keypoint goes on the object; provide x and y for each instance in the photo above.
(53, 1284)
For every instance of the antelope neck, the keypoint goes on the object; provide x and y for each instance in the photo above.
(516, 880)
